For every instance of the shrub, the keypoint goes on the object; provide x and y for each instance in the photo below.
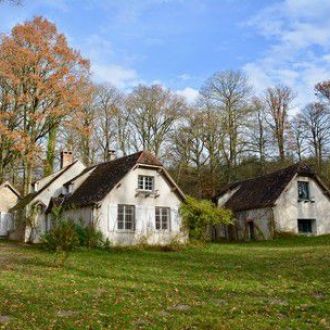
(198, 215)
(62, 237)
(89, 236)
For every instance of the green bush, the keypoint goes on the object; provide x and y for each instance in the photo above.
(89, 236)
(62, 237)
(198, 215)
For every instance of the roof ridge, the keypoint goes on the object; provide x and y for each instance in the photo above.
(272, 173)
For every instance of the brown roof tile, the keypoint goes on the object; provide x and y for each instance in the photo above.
(263, 191)
(105, 176)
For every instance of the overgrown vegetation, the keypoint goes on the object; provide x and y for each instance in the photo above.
(89, 236)
(66, 236)
(280, 284)
(199, 215)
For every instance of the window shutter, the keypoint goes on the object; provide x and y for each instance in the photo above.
(112, 217)
(175, 220)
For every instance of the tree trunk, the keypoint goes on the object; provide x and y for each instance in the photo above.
(51, 145)
(27, 176)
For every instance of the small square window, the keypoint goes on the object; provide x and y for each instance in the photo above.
(305, 226)
(303, 190)
(146, 183)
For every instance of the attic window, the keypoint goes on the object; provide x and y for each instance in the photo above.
(303, 190)
(146, 183)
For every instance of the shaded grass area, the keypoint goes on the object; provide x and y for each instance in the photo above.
(281, 284)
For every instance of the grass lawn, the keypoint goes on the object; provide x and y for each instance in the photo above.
(282, 284)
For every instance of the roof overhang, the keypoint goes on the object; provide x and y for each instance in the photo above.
(162, 170)
(11, 187)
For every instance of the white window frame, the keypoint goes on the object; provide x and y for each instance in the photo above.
(146, 183)
(162, 216)
(125, 210)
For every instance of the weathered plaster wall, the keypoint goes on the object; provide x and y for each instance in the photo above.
(125, 193)
(288, 210)
(263, 220)
(8, 199)
(55, 189)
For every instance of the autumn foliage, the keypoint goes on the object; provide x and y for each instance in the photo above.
(41, 79)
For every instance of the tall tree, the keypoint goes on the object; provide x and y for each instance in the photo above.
(153, 112)
(323, 90)
(298, 135)
(257, 131)
(316, 121)
(228, 92)
(278, 100)
(45, 75)
(111, 122)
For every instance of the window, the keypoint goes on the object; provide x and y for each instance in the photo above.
(305, 226)
(162, 218)
(146, 183)
(126, 217)
(303, 190)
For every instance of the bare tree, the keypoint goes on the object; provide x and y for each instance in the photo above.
(278, 100)
(298, 135)
(258, 131)
(322, 90)
(153, 112)
(109, 104)
(316, 121)
(189, 146)
(228, 92)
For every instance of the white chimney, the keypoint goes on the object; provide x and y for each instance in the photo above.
(112, 154)
(66, 158)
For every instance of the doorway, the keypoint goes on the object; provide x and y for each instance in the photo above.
(252, 235)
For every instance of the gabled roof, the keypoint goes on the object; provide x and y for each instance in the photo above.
(105, 176)
(263, 191)
(7, 184)
(29, 197)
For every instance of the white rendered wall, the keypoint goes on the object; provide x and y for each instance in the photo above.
(288, 210)
(125, 193)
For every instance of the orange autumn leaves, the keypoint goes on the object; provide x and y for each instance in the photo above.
(42, 83)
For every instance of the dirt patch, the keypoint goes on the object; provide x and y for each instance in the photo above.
(4, 319)
(68, 313)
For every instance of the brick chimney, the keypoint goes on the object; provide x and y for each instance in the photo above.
(112, 154)
(66, 158)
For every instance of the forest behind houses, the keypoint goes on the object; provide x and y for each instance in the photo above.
(49, 102)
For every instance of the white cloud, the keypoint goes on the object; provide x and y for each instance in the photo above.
(117, 75)
(299, 31)
(184, 76)
(190, 94)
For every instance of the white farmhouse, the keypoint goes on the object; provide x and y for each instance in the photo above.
(130, 200)
(33, 206)
(9, 197)
(293, 199)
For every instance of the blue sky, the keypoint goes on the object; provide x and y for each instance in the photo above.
(180, 43)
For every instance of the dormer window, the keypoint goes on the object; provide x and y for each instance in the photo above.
(146, 183)
(303, 190)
